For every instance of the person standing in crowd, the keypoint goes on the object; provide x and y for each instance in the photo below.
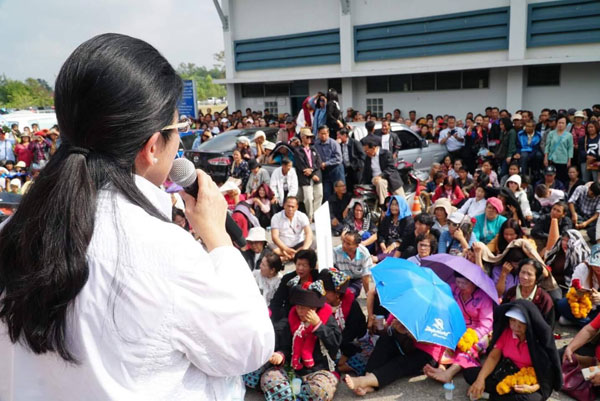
(308, 165)
(590, 149)
(453, 137)
(380, 169)
(389, 140)
(335, 121)
(507, 147)
(528, 148)
(290, 230)
(22, 151)
(99, 202)
(331, 161)
(353, 158)
(559, 149)
(284, 182)
(6, 147)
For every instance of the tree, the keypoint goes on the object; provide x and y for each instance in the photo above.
(205, 86)
(21, 95)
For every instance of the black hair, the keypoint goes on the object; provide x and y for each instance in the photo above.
(178, 212)
(323, 127)
(370, 126)
(433, 243)
(539, 269)
(111, 94)
(508, 125)
(356, 237)
(274, 261)
(425, 218)
(332, 95)
(595, 188)
(483, 180)
(510, 223)
(307, 254)
(514, 254)
(541, 190)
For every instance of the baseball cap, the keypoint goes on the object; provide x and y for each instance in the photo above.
(456, 217)
(550, 170)
(516, 313)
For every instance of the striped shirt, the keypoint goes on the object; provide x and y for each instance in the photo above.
(358, 267)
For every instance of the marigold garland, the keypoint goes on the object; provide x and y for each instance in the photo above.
(581, 305)
(467, 341)
(524, 376)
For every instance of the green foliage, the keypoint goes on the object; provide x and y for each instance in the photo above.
(20, 95)
(203, 76)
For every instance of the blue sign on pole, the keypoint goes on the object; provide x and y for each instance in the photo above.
(188, 105)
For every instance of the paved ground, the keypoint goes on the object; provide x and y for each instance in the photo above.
(420, 387)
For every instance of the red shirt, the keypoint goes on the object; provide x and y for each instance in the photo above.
(513, 349)
(596, 325)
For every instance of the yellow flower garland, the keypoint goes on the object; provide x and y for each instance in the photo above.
(523, 376)
(467, 340)
(581, 305)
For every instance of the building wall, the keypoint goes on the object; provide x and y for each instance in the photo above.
(579, 88)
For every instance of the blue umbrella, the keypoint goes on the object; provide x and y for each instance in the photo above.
(420, 300)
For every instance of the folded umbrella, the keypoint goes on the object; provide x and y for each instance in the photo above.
(420, 300)
(445, 265)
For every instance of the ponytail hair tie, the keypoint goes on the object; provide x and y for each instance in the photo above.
(78, 150)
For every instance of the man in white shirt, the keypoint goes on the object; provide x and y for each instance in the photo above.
(453, 137)
(284, 182)
(290, 230)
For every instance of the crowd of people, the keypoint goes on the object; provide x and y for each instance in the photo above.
(517, 194)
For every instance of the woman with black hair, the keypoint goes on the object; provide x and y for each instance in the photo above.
(112, 300)
(512, 208)
(531, 273)
(335, 120)
(508, 145)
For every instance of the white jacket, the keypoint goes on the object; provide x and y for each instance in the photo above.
(276, 183)
(158, 319)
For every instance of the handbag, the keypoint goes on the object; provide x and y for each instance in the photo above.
(504, 368)
(574, 384)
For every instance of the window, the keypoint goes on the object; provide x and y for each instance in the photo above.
(543, 75)
(299, 88)
(272, 107)
(277, 89)
(253, 90)
(335, 83)
(476, 79)
(423, 82)
(408, 140)
(377, 84)
(376, 106)
(400, 83)
(447, 80)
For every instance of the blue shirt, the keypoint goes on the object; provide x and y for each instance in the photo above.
(330, 152)
(6, 150)
(485, 230)
(447, 244)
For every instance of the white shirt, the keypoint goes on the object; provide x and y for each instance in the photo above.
(267, 286)
(277, 183)
(375, 167)
(473, 207)
(453, 144)
(180, 321)
(291, 233)
(385, 142)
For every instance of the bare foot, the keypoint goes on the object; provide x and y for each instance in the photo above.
(440, 374)
(355, 384)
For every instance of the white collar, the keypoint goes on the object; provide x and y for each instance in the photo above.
(159, 198)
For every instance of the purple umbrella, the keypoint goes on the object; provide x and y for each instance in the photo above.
(445, 265)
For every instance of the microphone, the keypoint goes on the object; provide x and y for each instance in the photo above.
(183, 173)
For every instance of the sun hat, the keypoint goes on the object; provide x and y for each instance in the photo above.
(257, 234)
(269, 145)
(579, 113)
(456, 217)
(21, 164)
(259, 134)
(516, 313)
(496, 203)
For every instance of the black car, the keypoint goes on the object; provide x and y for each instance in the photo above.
(215, 155)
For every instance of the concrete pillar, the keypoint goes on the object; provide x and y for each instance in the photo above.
(517, 39)
(514, 88)
(346, 41)
(347, 97)
(233, 96)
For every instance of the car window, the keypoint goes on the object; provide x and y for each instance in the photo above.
(409, 141)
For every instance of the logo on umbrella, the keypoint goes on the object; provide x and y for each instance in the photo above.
(438, 329)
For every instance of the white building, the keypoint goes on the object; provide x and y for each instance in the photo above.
(431, 56)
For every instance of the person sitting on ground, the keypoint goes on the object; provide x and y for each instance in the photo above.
(459, 237)
(449, 190)
(423, 223)
(574, 181)
(380, 169)
(550, 179)
(567, 253)
(513, 183)
(546, 198)
(487, 225)
(290, 230)
(359, 219)
(257, 247)
(475, 206)
(521, 339)
(267, 275)
(305, 268)
(260, 200)
(509, 230)
(465, 181)
(531, 272)
(542, 226)
(350, 318)
(442, 209)
(477, 310)
(354, 260)
(311, 342)
(486, 167)
(426, 246)
(397, 354)
(584, 206)
(283, 182)
(398, 218)
(585, 279)
(257, 177)
(339, 206)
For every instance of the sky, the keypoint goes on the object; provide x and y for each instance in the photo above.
(37, 36)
